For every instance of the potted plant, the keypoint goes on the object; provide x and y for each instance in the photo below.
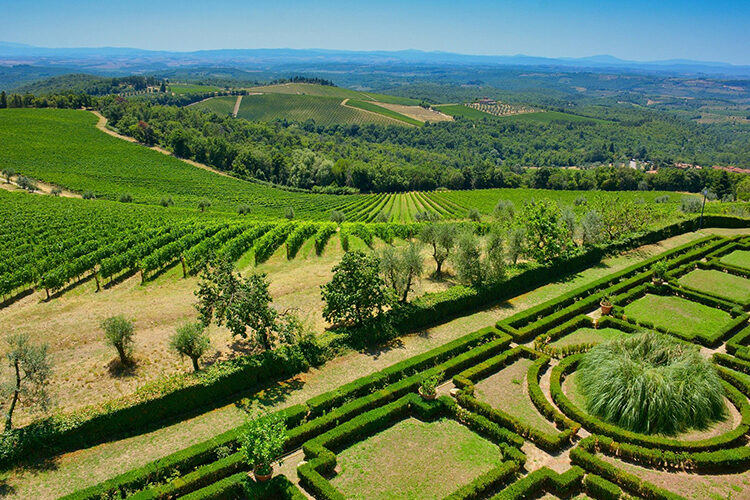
(428, 386)
(659, 272)
(262, 443)
(606, 305)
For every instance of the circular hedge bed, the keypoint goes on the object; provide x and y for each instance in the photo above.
(651, 383)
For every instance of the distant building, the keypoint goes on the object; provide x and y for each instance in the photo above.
(487, 101)
(633, 164)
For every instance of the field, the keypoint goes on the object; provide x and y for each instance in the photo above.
(375, 108)
(547, 117)
(270, 107)
(462, 111)
(330, 91)
(188, 88)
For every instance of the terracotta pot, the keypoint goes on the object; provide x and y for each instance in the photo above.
(262, 477)
(427, 397)
(606, 308)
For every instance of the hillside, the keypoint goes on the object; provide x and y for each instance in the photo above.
(63, 147)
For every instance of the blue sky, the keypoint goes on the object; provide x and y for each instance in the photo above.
(713, 30)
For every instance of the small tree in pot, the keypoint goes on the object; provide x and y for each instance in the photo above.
(262, 443)
(606, 305)
(428, 386)
(659, 272)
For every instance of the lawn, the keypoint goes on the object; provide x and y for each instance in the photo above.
(588, 336)
(721, 284)
(676, 314)
(738, 258)
(507, 390)
(414, 460)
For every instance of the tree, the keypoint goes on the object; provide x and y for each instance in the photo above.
(203, 204)
(743, 189)
(289, 213)
(190, 340)
(356, 292)
(8, 173)
(495, 255)
(468, 259)
(241, 303)
(338, 217)
(400, 267)
(442, 239)
(516, 246)
(505, 210)
(592, 228)
(263, 442)
(3, 100)
(546, 235)
(31, 370)
(118, 331)
(474, 215)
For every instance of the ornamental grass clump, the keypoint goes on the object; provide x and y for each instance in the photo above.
(651, 383)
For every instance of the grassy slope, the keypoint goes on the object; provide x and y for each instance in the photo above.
(64, 147)
(189, 88)
(547, 117)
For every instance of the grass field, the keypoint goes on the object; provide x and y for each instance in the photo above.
(270, 107)
(547, 117)
(508, 391)
(676, 314)
(738, 258)
(189, 88)
(414, 460)
(721, 284)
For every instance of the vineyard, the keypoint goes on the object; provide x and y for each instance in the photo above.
(64, 148)
(270, 107)
(500, 108)
(401, 207)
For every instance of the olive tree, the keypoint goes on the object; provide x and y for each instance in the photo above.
(468, 259)
(118, 331)
(8, 173)
(190, 340)
(30, 372)
(442, 239)
(400, 268)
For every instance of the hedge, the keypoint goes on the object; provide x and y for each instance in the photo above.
(541, 481)
(322, 460)
(323, 235)
(600, 488)
(583, 456)
(596, 425)
(240, 486)
(545, 440)
(330, 408)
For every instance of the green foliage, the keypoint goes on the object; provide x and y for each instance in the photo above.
(690, 204)
(31, 370)
(468, 259)
(400, 268)
(190, 340)
(242, 303)
(429, 384)
(659, 269)
(118, 332)
(357, 292)
(442, 239)
(547, 237)
(263, 442)
(651, 383)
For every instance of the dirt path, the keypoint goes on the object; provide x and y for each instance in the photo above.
(237, 106)
(89, 466)
(102, 125)
(43, 188)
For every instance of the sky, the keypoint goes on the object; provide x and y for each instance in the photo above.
(713, 30)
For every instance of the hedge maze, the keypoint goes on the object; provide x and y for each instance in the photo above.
(508, 408)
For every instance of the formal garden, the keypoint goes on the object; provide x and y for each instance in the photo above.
(633, 386)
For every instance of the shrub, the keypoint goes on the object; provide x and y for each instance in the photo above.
(203, 204)
(428, 385)
(338, 216)
(243, 209)
(263, 442)
(289, 213)
(659, 269)
(651, 383)
(118, 331)
(88, 195)
(166, 201)
(691, 205)
(56, 191)
(126, 198)
(474, 215)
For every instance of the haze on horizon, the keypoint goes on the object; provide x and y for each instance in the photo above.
(638, 30)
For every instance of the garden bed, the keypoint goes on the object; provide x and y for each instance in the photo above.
(724, 285)
(678, 315)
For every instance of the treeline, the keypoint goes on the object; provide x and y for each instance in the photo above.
(390, 159)
(457, 155)
(303, 79)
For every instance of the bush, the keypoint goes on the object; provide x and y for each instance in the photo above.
(651, 383)
(691, 205)
(88, 195)
(243, 209)
(126, 198)
(166, 201)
